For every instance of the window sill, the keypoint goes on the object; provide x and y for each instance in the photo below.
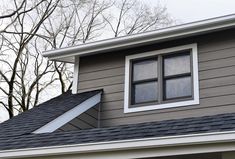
(161, 106)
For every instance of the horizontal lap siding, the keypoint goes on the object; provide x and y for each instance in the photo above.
(216, 80)
(86, 120)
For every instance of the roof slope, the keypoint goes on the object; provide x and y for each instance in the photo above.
(68, 54)
(35, 118)
(197, 125)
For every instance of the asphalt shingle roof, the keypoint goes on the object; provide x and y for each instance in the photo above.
(196, 125)
(16, 133)
(35, 118)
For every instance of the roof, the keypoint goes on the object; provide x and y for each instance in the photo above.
(196, 125)
(161, 35)
(31, 120)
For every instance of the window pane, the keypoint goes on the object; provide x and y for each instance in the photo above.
(177, 65)
(145, 92)
(178, 87)
(145, 70)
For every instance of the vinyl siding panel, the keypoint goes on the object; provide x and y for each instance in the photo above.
(216, 53)
(86, 120)
(217, 82)
(100, 83)
(114, 61)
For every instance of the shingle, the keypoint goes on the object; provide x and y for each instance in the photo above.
(33, 119)
(24, 138)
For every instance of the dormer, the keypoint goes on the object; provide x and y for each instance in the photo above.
(164, 94)
(153, 76)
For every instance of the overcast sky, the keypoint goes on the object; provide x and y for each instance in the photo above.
(186, 11)
(193, 10)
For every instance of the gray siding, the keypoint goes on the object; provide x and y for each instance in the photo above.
(216, 80)
(86, 120)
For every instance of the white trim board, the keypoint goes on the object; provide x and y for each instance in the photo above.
(69, 115)
(76, 75)
(161, 35)
(195, 100)
(204, 142)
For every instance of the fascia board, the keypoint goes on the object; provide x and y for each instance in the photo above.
(158, 142)
(160, 35)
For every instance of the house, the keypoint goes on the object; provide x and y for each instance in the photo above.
(164, 94)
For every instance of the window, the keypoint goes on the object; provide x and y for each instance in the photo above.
(144, 81)
(161, 79)
(177, 79)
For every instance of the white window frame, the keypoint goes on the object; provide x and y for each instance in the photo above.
(195, 99)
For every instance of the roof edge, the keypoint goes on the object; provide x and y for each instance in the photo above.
(69, 115)
(157, 142)
(178, 31)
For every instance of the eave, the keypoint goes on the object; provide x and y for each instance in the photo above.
(173, 145)
(161, 35)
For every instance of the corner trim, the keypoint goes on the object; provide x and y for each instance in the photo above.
(76, 75)
(69, 115)
(195, 100)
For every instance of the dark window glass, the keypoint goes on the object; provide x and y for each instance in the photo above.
(145, 69)
(145, 92)
(144, 80)
(177, 65)
(178, 87)
(172, 72)
(177, 76)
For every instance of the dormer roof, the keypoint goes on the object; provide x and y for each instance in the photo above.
(33, 119)
(161, 35)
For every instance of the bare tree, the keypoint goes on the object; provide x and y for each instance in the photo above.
(30, 27)
(15, 57)
(135, 17)
(76, 24)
